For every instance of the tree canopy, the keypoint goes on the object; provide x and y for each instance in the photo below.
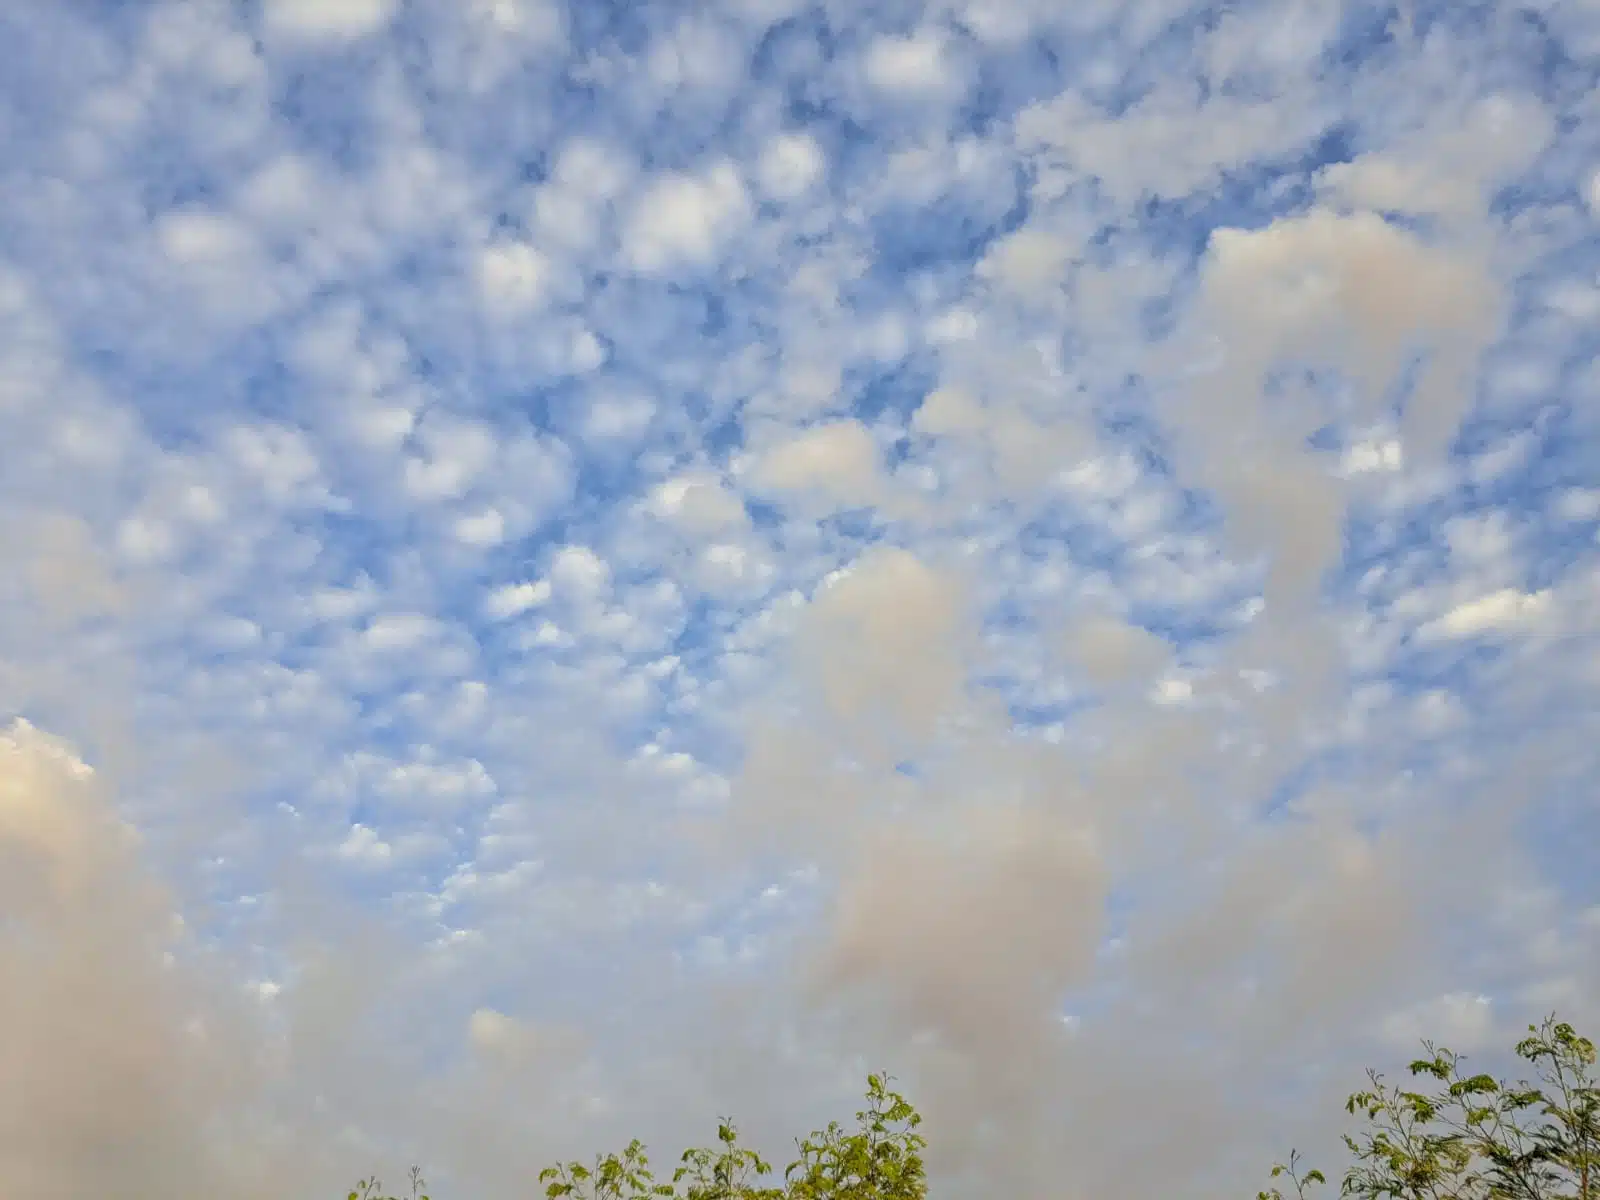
(1445, 1134)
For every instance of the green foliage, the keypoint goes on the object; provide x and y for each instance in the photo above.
(1450, 1135)
(372, 1189)
(882, 1161)
(1461, 1136)
(613, 1177)
(1301, 1181)
(727, 1173)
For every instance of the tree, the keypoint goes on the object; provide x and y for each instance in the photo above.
(372, 1189)
(725, 1174)
(1451, 1135)
(1300, 1180)
(613, 1177)
(1463, 1136)
(883, 1161)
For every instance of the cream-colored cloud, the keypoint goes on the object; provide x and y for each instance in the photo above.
(117, 1059)
(1352, 291)
(1385, 183)
(1450, 167)
(1113, 652)
(138, 1064)
(973, 935)
(835, 463)
(699, 504)
(947, 411)
(1022, 451)
(883, 645)
(1357, 291)
(505, 1042)
(1029, 263)
(70, 572)
(1166, 145)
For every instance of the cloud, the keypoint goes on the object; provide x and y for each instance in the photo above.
(121, 1054)
(836, 462)
(513, 599)
(1290, 289)
(699, 504)
(1112, 652)
(922, 922)
(882, 643)
(908, 65)
(1506, 609)
(327, 20)
(1048, 548)
(790, 164)
(683, 220)
(512, 277)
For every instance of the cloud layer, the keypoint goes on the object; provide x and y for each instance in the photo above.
(570, 569)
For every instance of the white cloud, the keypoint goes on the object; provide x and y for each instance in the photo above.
(1367, 457)
(619, 419)
(1029, 261)
(914, 65)
(363, 847)
(911, 574)
(282, 194)
(512, 277)
(481, 529)
(681, 220)
(790, 164)
(399, 631)
(327, 20)
(538, 21)
(514, 599)
(1500, 611)
(579, 571)
(197, 237)
(1579, 504)
(699, 504)
(457, 453)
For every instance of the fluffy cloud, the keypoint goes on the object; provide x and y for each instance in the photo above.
(328, 20)
(685, 220)
(837, 463)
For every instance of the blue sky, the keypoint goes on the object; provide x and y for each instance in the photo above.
(615, 564)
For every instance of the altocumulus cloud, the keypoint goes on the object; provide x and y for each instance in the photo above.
(570, 568)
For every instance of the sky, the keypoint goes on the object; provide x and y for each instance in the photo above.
(571, 569)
